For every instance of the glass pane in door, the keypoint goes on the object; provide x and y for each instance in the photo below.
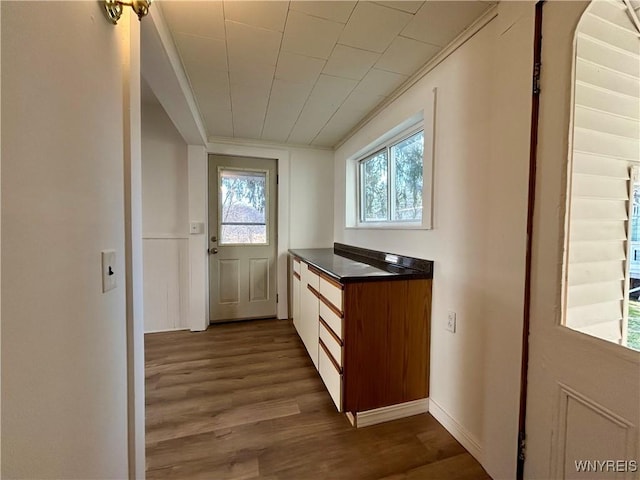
(243, 207)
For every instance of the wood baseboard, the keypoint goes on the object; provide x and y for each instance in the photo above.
(392, 412)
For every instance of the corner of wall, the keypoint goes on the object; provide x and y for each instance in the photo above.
(198, 260)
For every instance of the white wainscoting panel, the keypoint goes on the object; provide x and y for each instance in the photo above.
(165, 283)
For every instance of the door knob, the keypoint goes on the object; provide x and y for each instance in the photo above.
(213, 251)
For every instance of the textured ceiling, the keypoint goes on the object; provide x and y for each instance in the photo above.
(305, 72)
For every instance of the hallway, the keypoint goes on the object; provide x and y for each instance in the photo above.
(243, 401)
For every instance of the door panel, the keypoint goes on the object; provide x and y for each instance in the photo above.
(259, 279)
(583, 401)
(228, 280)
(242, 233)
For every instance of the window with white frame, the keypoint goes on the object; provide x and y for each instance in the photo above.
(391, 181)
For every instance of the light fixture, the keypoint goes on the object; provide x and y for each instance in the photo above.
(114, 8)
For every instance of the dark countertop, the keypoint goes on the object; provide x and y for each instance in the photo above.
(358, 268)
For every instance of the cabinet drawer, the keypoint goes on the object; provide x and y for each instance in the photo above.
(331, 377)
(296, 266)
(333, 320)
(313, 279)
(334, 347)
(331, 293)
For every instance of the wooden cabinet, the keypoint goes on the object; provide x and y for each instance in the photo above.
(369, 340)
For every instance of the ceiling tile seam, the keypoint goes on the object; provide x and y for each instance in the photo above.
(420, 41)
(350, 15)
(357, 48)
(440, 47)
(304, 54)
(399, 9)
(257, 142)
(322, 18)
(306, 101)
(370, 68)
(487, 17)
(344, 25)
(334, 113)
(334, 45)
(326, 19)
(186, 74)
(385, 50)
(273, 78)
(318, 77)
(226, 49)
(374, 65)
(257, 27)
(195, 35)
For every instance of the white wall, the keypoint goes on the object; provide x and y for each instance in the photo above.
(64, 350)
(165, 191)
(478, 239)
(165, 221)
(311, 198)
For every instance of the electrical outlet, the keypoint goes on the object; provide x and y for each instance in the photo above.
(451, 322)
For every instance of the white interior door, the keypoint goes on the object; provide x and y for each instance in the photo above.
(242, 238)
(583, 402)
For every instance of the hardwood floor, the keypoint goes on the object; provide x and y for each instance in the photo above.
(243, 401)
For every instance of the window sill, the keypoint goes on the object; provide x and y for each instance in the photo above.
(389, 226)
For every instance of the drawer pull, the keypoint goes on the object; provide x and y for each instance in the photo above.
(313, 290)
(331, 306)
(333, 360)
(331, 332)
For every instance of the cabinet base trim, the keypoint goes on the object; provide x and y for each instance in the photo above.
(392, 412)
(460, 433)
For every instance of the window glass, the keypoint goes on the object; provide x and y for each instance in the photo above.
(391, 182)
(632, 332)
(407, 162)
(602, 282)
(243, 207)
(375, 188)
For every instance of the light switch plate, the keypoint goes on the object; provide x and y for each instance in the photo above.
(196, 228)
(108, 270)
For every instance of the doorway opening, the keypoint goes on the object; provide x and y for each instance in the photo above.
(242, 238)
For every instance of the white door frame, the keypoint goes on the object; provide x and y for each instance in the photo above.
(132, 141)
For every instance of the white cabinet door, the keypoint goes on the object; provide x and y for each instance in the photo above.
(309, 311)
(331, 377)
(295, 295)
